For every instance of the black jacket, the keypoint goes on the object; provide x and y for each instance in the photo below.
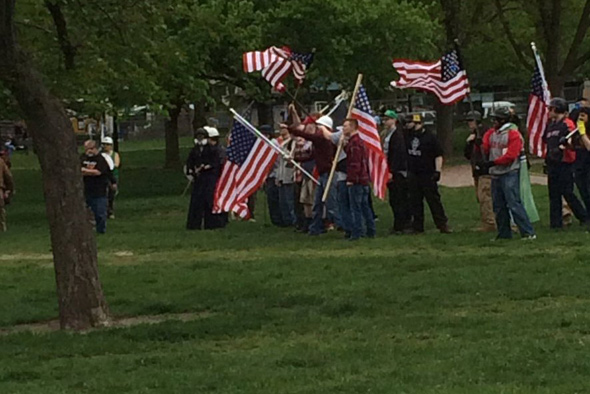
(397, 155)
(208, 155)
(473, 152)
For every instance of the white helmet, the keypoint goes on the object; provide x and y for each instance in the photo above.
(325, 121)
(107, 141)
(211, 131)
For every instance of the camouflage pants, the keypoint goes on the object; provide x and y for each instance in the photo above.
(483, 190)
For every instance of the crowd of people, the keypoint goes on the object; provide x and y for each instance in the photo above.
(415, 159)
(320, 203)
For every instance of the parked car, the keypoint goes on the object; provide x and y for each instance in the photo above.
(489, 107)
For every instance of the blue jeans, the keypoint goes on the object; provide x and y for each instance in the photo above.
(317, 224)
(344, 206)
(360, 211)
(506, 199)
(287, 204)
(98, 205)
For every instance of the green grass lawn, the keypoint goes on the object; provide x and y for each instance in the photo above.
(286, 313)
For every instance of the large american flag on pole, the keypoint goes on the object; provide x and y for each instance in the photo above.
(538, 112)
(368, 132)
(249, 160)
(276, 63)
(446, 78)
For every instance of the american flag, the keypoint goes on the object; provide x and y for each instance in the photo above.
(249, 160)
(538, 112)
(276, 64)
(446, 78)
(368, 132)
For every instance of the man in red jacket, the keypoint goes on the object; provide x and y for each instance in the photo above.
(357, 181)
(501, 147)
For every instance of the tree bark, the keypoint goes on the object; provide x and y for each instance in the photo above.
(444, 127)
(199, 118)
(265, 113)
(80, 296)
(69, 51)
(172, 146)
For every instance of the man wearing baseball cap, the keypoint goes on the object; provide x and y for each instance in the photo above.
(425, 159)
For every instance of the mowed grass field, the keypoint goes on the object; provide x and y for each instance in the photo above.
(272, 311)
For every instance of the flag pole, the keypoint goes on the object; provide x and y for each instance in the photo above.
(359, 80)
(462, 62)
(285, 154)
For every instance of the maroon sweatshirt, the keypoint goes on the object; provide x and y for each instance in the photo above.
(323, 150)
(357, 161)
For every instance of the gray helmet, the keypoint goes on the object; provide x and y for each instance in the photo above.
(502, 114)
(201, 131)
(473, 115)
(559, 104)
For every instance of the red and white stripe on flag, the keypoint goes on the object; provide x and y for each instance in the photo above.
(537, 118)
(445, 78)
(237, 183)
(377, 161)
(274, 63)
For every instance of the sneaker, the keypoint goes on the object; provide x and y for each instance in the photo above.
(529, 238)
(252, 220)
(112, 216)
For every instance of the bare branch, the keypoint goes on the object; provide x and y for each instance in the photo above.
(506, 26)
(570, 64)
(59, 20)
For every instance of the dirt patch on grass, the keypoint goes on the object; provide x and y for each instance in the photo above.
(116, 322)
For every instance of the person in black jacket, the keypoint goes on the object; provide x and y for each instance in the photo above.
(425, 160)
(394, 147)
(98, 177)
(582, 163)
(204, 165)
(482, 181)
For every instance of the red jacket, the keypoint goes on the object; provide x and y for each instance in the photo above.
(357, 161)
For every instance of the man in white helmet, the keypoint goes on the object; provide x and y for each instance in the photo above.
(312, 129)
(114, 161)
(204, 165)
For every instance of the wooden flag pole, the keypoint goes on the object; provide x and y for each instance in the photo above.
(359, 80)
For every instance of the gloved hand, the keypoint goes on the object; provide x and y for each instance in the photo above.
(436, 176)
(484, 166)
(581, 127)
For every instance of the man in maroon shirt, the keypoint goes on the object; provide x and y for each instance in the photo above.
(323, 154)
(357, 181)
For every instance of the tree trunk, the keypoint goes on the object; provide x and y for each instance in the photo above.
(199, 118)
(444, 127)
(172, 147)
(265, 113)
(115, 133)
(80, 296)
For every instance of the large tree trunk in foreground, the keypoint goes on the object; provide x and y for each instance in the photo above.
(80, 296)
(172, 146)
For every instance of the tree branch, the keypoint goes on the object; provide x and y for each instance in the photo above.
(59, 20)
(31, 25)
(570, 64)
(506, 26)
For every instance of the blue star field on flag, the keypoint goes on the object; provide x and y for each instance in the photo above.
(450, 65)
(241, 142)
